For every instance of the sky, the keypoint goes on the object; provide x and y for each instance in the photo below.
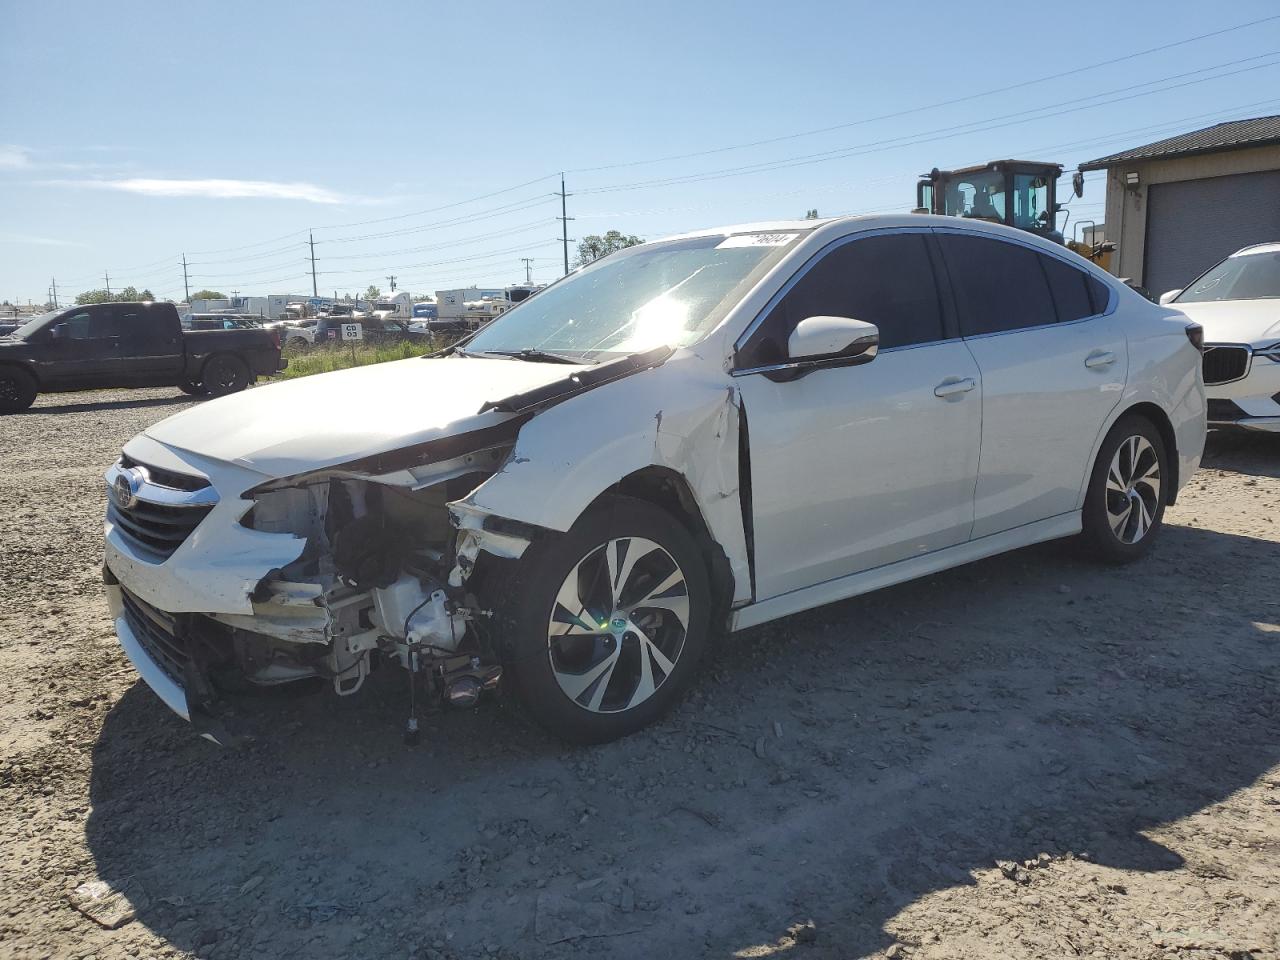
(425, 140)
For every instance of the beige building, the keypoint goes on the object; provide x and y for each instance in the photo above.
(1177, 206)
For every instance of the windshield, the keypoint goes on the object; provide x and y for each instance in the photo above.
(976, 195)
(637, 299)
(31, 326)
(1251, 276)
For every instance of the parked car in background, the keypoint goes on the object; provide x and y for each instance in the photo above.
(372, 329)
(1237, 302)
(686, 436)
(295, 332)
(129, 345)
(220, 321)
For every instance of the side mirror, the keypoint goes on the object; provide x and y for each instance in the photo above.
(840, 340)
(58, 331)
(1169, 296)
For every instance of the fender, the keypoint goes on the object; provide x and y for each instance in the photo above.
(569, 454)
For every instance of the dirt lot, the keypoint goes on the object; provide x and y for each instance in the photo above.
(842, 784)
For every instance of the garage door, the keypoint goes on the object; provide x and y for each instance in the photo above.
(1193, 224)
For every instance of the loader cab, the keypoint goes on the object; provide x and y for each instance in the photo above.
(1017, 193)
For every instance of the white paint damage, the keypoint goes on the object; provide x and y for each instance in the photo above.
(265, 571)
(675, 416)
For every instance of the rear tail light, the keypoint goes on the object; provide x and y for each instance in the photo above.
(1195, 333)
(275, 335)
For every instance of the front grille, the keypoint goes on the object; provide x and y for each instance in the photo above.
(166, 478)
(155, 527)
(158, 634)
(1224, 364)
(1225, 411)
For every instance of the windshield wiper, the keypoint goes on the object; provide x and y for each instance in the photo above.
(535, 356)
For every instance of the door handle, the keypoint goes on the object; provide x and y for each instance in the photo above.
(954, 387)
(1099, 358)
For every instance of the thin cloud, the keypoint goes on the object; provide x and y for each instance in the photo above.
(38, 241)
(216, 189)
(13, 157)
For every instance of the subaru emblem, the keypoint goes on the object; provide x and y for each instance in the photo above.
(618, 623)
(124, 491)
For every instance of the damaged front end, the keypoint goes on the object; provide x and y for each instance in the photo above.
(378, 573)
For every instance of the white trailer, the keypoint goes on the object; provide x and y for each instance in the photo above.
(397, 306)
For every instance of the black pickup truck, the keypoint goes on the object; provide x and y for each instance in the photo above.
(129, 345)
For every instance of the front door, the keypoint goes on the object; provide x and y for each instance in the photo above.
(1053, 368)
(83, 348)
(859, 466)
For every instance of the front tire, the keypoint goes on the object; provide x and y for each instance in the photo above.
(17, 390)
(606, 624)
(1128, 490)
(224, 374)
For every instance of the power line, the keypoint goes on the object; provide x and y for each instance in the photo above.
(932, 106)
(976, 126)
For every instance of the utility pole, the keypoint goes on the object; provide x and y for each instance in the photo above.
(53, 286)
(186, 286)
(107, 278)
(312, 240)
(564, 219)
(392, 281)
(528, 270)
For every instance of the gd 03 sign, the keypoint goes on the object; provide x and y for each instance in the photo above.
(352, 331)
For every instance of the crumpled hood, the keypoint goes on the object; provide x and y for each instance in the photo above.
(313, 422)
(1255, 322)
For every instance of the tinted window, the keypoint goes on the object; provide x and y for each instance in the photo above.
(140, 323)
(1099, 293)
(1070, 289)
(94, 324)
(998, 286)
(884, 280)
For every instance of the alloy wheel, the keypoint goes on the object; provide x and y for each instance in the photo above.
(618, 625)
(1133, 489)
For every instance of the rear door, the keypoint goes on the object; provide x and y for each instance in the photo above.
(1054, 359)
(150, 343)
(83, 348)
(853, 467)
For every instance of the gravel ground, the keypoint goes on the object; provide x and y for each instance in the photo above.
(1028, 757)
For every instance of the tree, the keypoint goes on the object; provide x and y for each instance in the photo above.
(127, 295)
(594, 246)
(373, 293)
(811, 214)
(208, 295)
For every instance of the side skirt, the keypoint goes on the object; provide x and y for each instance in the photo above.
(1063, 525)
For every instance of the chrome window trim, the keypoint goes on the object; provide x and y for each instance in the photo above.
(796, 277)
(829, 361)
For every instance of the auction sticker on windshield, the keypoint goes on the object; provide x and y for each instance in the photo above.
(756, 240)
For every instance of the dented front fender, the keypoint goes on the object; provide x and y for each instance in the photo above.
(679, 416)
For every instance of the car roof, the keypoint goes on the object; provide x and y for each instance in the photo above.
(1257, 248)
(821, 231)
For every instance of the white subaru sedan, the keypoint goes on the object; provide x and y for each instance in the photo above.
(1237, 302)
(687, 437)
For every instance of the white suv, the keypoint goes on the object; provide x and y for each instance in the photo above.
(696, 434)
(1237, 302)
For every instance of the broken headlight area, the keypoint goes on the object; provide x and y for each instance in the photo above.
(372, 583)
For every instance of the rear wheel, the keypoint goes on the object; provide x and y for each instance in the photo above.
(17, 390)
(193, 388)
(607, 624)
(224, 374)
(1128, 489)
